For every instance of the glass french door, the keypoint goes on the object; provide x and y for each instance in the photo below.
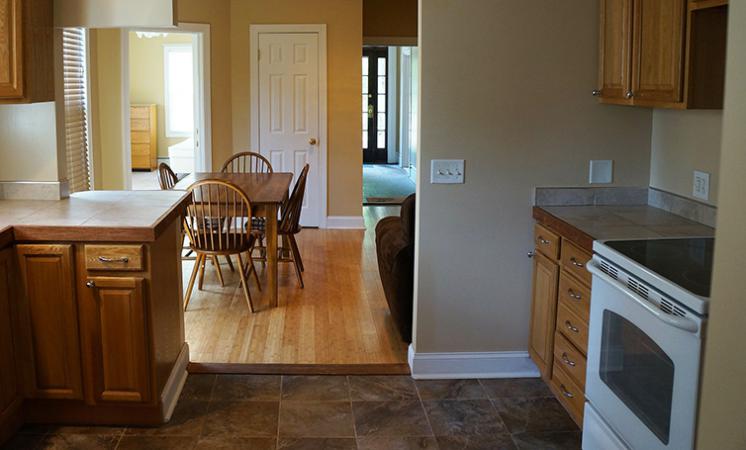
(375, 88)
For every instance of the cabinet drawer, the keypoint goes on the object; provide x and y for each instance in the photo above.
(567, 356)
(573, 327)
(547, 242)
(568, 393)
(141, 150)
(575, 296)
(114, 257)
(140, 162)
(140, 112)
(140, 137)
(139, 125)
(574, 260)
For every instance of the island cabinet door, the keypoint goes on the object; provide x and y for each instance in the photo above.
(115, 314)
(49, 322)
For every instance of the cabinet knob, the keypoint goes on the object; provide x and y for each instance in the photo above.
(629, 94)
(531, 254)
(596, 92)
(90, 284)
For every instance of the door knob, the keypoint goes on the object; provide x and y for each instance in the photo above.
(312, 141)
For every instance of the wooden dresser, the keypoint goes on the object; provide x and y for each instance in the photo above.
(559, 316)
(144, 137)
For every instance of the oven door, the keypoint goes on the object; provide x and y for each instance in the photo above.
(643, 367)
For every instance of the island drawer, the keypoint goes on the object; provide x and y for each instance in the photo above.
(114, 257)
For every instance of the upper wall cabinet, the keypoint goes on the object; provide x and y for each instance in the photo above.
(26, 51)
(662, 53)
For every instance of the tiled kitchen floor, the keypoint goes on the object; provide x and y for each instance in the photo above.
(338, 412)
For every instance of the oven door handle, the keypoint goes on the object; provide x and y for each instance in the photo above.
(682, 323)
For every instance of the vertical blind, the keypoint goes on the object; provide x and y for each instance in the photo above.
(76, 108)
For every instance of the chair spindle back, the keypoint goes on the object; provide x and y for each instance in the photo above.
(167, 179)
(217, 216)
(290, 221)
(247, 162)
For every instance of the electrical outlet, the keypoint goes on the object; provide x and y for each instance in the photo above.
(447, 171)
(601, 172)
(701, 188)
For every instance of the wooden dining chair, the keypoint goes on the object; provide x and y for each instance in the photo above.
(167, 179)
(251, 162)
(217, 222)
(290, 226)
(247, 162)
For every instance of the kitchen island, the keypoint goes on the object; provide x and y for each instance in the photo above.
(91, 323)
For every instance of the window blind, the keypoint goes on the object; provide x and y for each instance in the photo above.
(76, 108)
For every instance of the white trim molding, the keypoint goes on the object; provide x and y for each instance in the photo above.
(464, 365)
(345, 222)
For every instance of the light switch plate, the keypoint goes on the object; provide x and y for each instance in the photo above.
(701, 189)
(447, 171)
(602, 171)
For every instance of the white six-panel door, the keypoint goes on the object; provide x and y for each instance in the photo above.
(289, 110)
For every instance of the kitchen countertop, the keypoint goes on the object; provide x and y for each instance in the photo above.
(94, 216)
(584, 224)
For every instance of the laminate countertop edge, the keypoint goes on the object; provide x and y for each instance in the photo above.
(89, 233)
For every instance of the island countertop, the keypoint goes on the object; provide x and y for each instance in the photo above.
(584, 224)
(93, 216)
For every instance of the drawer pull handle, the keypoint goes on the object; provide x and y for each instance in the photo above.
(544, 241)
(565, 392)
(90, 284)
(576, 263)
(571, 327)
(574, 295)
(123, 259)
(567, 360)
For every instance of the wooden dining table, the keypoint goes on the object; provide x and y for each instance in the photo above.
(266, 192)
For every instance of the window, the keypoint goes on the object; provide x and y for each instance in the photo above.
(75, 94)
(178, 70)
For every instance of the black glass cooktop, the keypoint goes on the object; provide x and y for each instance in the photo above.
(684, 261)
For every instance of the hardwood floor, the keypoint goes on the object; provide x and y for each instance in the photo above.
(341, 317)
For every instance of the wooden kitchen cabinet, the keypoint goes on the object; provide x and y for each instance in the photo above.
(26, 51)
(10, 395)
(543, 313)
(120, 334)
(49, 322)
(662, 53)
(144, 137)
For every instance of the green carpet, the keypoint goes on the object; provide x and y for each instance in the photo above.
(385, 184)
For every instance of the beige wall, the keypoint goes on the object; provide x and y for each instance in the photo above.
(28, 142)
(684, 141)
(344, 49)
(147, 78)
(216, 13)
(506, 89)
(106, 108)
(389, 19)
(722, 414)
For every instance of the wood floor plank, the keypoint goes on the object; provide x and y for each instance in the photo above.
(340, 318)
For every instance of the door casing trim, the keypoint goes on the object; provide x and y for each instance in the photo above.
(320, 30)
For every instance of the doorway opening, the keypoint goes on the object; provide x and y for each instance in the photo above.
(389, 115)
(167, 111)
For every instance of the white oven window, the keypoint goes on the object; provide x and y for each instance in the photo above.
(639, 372)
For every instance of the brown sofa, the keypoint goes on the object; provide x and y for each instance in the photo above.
(395, 250)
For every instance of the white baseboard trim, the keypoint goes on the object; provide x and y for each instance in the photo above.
(34, 190)
(345, 222)
(464, 365)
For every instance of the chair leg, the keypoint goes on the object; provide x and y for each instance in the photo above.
(296, 256)
(251, 269)
(230, 262)
(201, 273)
(294, 245)
(216, 263)
(191, 281)
(245, 284)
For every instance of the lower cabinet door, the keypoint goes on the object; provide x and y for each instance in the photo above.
(48, 322)
(543, 313)
(8, 380)
(121, 369)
